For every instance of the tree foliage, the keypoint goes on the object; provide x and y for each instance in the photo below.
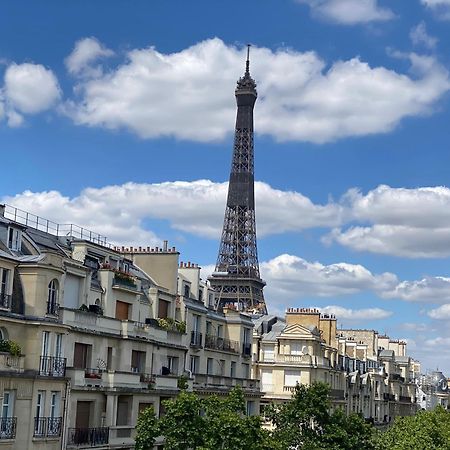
(427, 430)
(147, 430)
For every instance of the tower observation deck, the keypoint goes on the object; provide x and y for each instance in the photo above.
(236, 279)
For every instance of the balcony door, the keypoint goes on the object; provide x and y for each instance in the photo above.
(122, 310)
(80, 355)
(82, 418)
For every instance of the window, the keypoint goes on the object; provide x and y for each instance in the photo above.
(52, 300)
(172, 364)
(247, 336)
(7, 405)
(196, 320)
(122, 310)
(233, 369)
(14, 239)
(219, 330)
(208, 328)
(58, 345)
(222, 367)
(211, 300)
(200, 294)
(266, 380)
(137, 361)
(45, 343)
(186, 290)
(209, 366)
(193, 364)
(268, 353)
(292, 377)
(39, 422)
(109, 358)
(250, 408)
(81, 355)
(54, 404)
(163, 309)
(296, 348)
(245, 371)
(4, 275)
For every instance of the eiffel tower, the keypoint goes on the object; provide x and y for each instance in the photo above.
(236, 279)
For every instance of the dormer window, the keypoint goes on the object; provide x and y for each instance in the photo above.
(14, 239)
(187, 290)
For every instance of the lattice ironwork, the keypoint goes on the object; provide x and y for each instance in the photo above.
(237, 279)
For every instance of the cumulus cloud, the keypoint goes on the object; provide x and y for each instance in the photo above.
(312, 100)
(402, 222)
(195, 207)
(428, 289)
(356, 314)
(441, 313)
(86, 52)
(349, 12)
(30, 88)
(419, 36)
(441, 8)
(289, 277)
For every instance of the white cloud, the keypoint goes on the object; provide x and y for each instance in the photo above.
(189, 94)
(349, 12)
(403, 222)
(195, 207)
(441, 8)
(419, 36)
(356, 314)
(428, 289)
(441, 313)
(85, 53)
(30, 88)
(289, 277)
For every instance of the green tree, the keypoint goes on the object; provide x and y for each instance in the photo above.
(182, 425)
(427, 430)
(147, 430)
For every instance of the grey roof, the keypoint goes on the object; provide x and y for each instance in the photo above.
(386, 354)
(276, 330)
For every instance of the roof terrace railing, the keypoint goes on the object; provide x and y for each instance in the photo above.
(57, 229)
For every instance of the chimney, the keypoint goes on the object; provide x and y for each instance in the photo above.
(165, 246)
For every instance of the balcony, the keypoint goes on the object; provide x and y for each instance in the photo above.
(47, 427)
(196, 339)
(8, 427)
(388, 397)
(337, 394)
(247, 349)
(124, 282)
(52, 309)
(5, 301)
(11, 363)
(290, 389)
(87, 436)
(52, 366)
(204, 381)
(218, 343)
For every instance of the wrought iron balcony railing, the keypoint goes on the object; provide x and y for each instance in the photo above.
(196, 339)
(88, 436)
(52, 308)
(5, 301)
(47, 427)
(219, 343)
(8, 427)
(52, 366)
(247, 349)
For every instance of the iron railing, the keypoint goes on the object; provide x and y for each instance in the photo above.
(8, 427)
(88, 436)
(247, 349)
(47, 427)
(196, 339)
(219, 343)
(5, 300)
(52, 366)
(52, 308)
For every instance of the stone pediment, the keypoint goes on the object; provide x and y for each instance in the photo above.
(300, 331)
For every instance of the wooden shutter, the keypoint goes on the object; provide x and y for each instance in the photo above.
(122, 309)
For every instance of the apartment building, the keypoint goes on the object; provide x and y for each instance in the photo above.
(364, 376)
(92, 334)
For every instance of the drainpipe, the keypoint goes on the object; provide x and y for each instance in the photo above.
(65, 416)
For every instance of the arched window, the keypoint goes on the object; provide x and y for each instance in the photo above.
(52, 300)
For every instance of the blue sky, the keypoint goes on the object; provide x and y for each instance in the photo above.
(120, 117)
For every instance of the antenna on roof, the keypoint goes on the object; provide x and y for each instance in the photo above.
(247, 63)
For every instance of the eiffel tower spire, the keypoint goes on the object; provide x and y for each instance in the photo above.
(236, 279)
